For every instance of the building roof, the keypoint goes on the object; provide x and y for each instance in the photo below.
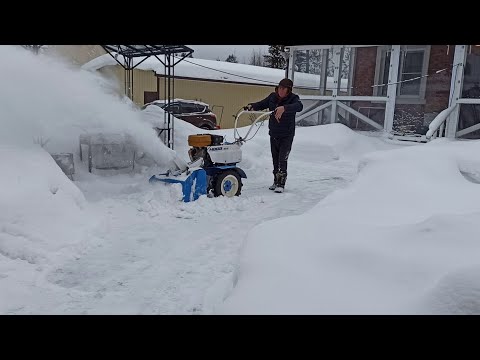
(218, 70)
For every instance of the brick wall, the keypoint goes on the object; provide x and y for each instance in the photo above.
(364, 75)
(438, 85)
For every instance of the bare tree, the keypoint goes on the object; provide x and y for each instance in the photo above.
(34, 48)
(257, 58)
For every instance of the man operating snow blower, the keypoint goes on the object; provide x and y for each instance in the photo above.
(213, 168)
(284, 104)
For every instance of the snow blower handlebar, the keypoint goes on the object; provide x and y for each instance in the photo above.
(263, 114)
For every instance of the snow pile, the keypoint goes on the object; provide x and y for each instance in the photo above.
(42, 213)
(402, 238)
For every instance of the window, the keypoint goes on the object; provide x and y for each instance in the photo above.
(413, 65)
(173, 108)
(188, 108)
(199, 108)
(149, 96)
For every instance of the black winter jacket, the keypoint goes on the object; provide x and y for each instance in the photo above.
(286, 126)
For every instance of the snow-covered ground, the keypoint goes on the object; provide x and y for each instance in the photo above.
(366, 225)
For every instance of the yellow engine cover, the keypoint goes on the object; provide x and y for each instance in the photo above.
(199, 140)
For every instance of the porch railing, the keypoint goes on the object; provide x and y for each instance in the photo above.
(336, 102)
(437, 126)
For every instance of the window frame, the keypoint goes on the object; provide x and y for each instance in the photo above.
(380, 67)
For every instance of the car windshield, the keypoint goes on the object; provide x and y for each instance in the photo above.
(178, 106)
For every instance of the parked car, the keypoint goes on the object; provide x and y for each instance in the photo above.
(195, 112)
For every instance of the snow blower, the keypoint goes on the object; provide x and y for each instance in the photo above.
(213, 169)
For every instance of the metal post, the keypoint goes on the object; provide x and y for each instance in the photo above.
(291, 66)
(173, 98)
(391, 88)
(351, 65)
(169, 101)
(337, 58)
(166, 125)
(129, 77)
(351, 72)
(125, 72)
(286, 56)
(456, 86)
(323, 79)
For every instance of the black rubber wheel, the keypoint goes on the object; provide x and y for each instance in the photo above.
(228, 183)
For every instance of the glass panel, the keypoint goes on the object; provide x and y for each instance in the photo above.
(308, 61)
(411, 66)
(345, 69)
(413, 119)
(413, 61)
(470, 113)
(308, 69)
(385, 63)
(174, 109)
(320, 118)
(410, 87)
(409, 119)
(188, 108)
(199, 108)
(374, 111)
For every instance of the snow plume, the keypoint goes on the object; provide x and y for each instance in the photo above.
(51, 103)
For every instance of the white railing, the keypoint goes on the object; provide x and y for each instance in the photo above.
(438, 124)
(333, 101)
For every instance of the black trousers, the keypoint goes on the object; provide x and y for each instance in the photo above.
(280, 148)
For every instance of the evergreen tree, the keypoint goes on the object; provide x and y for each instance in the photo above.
(34, 48)
(275, 58)
(232, 58)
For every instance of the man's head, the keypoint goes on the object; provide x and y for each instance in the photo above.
(284, 87)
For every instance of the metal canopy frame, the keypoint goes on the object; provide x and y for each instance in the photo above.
(130, 52)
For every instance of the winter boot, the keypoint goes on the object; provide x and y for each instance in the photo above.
(281, 179)
(274, 185)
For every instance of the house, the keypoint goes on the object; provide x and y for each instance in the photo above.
(409, 91)
(225, 86)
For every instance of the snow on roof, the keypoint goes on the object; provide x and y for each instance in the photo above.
(218, 70)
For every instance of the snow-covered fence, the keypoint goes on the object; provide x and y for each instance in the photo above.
(439, 121)
(108, 151)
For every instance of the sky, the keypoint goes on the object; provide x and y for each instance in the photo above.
(214, 52)
(366, 225)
